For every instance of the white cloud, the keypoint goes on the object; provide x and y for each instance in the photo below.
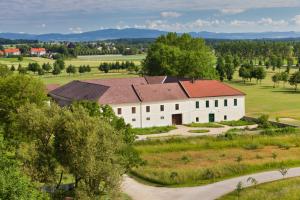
(296, 19)
(170, 14)
(263, 22)
(232, 11)
(75, 29)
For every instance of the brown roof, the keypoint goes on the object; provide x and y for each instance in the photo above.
(119, 81)
(51, 87)
(160, 92)
(208, 88)
(155, 79)
(119, 95)
(77, 90)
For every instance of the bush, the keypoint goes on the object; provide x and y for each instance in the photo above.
(278, 131)
(204, 125)
(263, 121)
(237, 123)
(153, 130)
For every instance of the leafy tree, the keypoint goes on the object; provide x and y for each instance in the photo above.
(284, 76)
(104, 67)
(56, 70)
(221, 68)
(47, 67)
(34, 67)
(4, 71)
(260, 73)
(89, 148)
(229, 71)
(20, 58)
(71, 69)
(295, 79)
(36, 126)
(41, 72)
(279, 63)
(59, 63)
(276, 78)
(181, 56)
(12, 68)
(17, 90)
(22, 70)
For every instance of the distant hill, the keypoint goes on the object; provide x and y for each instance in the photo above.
(128, 33)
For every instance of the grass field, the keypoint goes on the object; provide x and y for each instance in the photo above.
(281, 102)
(187, 162)
(287, 189)
(153, 130)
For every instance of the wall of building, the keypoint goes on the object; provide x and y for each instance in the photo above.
(187, 108)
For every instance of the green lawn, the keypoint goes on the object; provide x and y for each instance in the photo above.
(153, 130)
(204, 125)
(199, 131)
(237, 123)
(181, 162)
(281, 102)
(287, 189)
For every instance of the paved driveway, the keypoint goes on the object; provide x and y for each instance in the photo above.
(183, 131)
(139, 191)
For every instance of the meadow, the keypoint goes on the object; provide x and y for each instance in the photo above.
(286, 189)
(181, 162)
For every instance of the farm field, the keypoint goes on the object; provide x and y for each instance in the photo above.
(287, 189)
(197, 161)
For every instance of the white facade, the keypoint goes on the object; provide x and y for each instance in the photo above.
(38, 53)
(187, 111)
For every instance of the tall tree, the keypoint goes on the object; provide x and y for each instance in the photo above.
(295, 79)
(181, 56)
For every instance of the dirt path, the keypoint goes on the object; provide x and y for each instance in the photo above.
(183, 131)
(213, 191)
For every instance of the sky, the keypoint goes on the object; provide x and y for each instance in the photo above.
(76, 16)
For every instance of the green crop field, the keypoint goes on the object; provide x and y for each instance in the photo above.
(287, 189)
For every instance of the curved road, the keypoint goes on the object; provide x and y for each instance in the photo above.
(139, 191)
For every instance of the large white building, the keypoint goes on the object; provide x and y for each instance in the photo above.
(159, 100)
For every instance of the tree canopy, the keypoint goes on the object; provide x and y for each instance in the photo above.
(181, 56)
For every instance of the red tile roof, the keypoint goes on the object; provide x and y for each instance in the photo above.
(11, 50)
(209, 88)
(160, 92)
(38, 49)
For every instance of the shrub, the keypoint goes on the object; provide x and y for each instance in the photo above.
(252, 146)
(199, 131)
(204, 125)
(263, 121)
(237, 123)
(186, 159)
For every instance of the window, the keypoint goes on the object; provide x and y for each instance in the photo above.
(225, 117)
(162, 108)
(147, 108)
(119, 111)
(225, 103)
(148, 118)
(133, 119)
(197, 104)
(216, 103)
(162, 117)
(235, 102)
(176, 106)
(207, 104)
(133, 110)
(197, 119)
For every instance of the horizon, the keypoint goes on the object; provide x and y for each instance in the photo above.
(74, 16)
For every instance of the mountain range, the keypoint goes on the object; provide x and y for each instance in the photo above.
(134, 33)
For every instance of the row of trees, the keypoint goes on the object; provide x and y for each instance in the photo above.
(84, 140)
(294, 79)
(129, 65)
(248, 72)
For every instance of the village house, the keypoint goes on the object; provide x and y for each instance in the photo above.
(159, 100)
(12, 52)
(37, 51)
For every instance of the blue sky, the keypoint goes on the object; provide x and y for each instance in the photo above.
(75, 16)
